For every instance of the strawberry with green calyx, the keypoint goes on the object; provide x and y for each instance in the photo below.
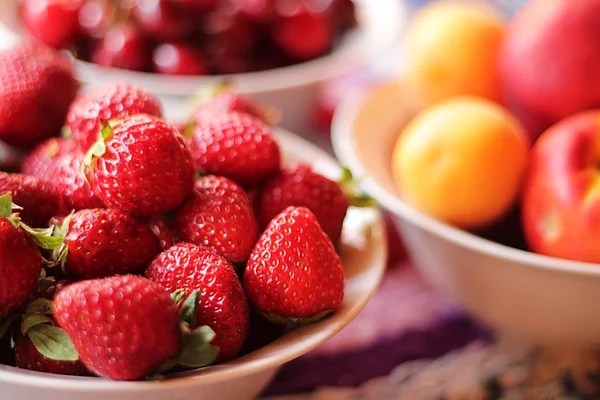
(128, 328)
(20, 259)
(298, 185)
(42, 346)
(141, 165)
(96, 243)
(222, 302)
(219, 215)
(294, 276)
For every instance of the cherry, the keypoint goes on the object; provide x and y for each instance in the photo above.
(95, 17)
(257, 11)
(197, 5)
(123, 47)
(304, 34)
(163, 20)
(226, 58)
(54, 22)
(178, 59)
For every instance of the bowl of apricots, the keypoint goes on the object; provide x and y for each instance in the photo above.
(485, 146)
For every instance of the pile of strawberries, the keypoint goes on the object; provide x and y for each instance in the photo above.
(131, 247)
(190, 37)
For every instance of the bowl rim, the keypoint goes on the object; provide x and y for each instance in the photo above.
(349, 55)
(348, 155)
(299, 345)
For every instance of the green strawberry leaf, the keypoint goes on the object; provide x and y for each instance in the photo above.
(96, 150)
(43, 237)
(178, 296)
(29, 321)
(40, 306)
(290, 323)
(53, 343)
(6, 205)
(189, 309)
(197, 351)
(351, 187)
(188, 131)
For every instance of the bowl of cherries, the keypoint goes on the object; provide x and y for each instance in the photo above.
(276, 50)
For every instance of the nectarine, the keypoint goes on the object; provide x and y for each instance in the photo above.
(452, 50)
(461, 161)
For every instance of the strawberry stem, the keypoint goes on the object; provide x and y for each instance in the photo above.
(351, 187)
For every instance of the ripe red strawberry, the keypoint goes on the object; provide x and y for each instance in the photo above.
(294, 274)
(11, 158)
(300, 186)
(105, 103)
(20, 260)
(222, 303)
(36, 330)
(102, 242)
(162, 227)
(75, 193)
(237, 146)
(127, 327)
(143, 166)
(219, 215)
(36, 88)
(226, 102)
(41, 161)
(38, 198)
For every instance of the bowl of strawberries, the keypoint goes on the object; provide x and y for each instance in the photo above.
(145, 260)
(173, 47)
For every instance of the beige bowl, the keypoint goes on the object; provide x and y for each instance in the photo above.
(363, 252)
(291, 89)
(539, 299)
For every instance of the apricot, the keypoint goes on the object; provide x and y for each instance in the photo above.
(461, 161)
(452, 50)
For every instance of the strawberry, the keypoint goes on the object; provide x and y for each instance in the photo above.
(224, 101)
(219, 215)
(102, 242)
(105, 103)
(36, 330)
(300, 186)
(294, 275)
(36, 87)
(127, 327)
(11, 158)
(20, 260)
(237, 146)
(42, 160)
(142, 166)
(163, 229)
(222, 303)
(39, 200)
(74, 191)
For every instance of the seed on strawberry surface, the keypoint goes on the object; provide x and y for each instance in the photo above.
(294, 275)
(219, 215)
(105, 103)
(127, 327)
(222, 302)
(237, 146)
(36, 87)
(102, 242)
(39, 199)
(20, 260)
(298, 185)
(142, 166)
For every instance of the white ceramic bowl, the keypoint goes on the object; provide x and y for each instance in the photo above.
(539, 299)
(363, 252)
(290, 89)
